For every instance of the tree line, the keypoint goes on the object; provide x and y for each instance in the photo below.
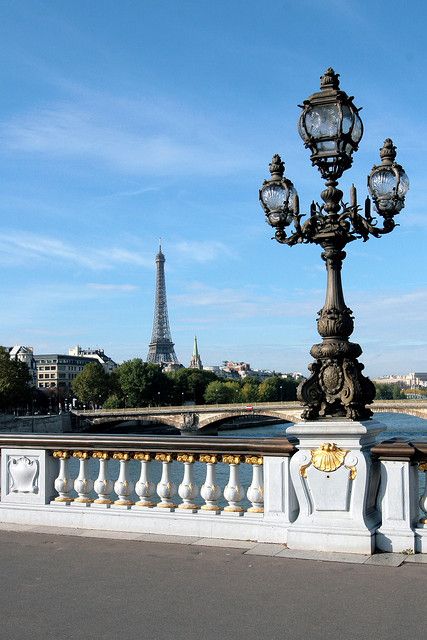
(140, 384)
(136, 383)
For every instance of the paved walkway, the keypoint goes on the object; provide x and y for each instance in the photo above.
(58, 587)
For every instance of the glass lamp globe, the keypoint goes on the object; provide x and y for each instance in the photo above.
(330, 127)
(388, 183)
(278, 196)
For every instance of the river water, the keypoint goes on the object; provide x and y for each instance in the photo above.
(398, 425)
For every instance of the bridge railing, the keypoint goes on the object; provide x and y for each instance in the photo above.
(402, 495)
(132, 483)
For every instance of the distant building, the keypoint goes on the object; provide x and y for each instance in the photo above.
(196, 361)
(25, 354)
(57, 371)
(96, 354)
(412, 380)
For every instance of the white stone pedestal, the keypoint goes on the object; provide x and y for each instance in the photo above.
(336, 484)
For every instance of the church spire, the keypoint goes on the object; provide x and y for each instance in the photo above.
(196, 362)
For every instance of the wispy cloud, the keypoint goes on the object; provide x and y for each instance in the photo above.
(25, 248)
(203, 251)
(97, 286)
(138, 138)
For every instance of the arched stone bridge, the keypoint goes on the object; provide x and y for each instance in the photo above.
(210, 417)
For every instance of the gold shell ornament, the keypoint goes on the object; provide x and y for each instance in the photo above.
(328, 457)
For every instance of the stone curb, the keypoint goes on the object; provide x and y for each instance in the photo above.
(247, 547)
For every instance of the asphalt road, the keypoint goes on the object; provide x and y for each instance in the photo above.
(61, 587)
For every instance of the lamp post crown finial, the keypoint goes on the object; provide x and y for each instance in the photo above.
(277, 166)
(330, 79)
(388, 151)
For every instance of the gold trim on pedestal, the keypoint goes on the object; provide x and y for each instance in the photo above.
(162, 505)
(328, 457)
(255, 510)
(84, 500)
(210, 507)
(188, 506)
(147, 504)
(234, 509)
(63, 499)
(124, 503)
(103, 501)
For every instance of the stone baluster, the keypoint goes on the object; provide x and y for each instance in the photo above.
(166, 489)
(63, 483)
(423, 500)
(123, 486)
(255, 493)
(144, 488)
(210, 490)
(103, 485)
(233, 491)
(83, 485)
(188, 490)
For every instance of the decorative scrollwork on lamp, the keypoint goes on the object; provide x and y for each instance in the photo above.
(331, 128)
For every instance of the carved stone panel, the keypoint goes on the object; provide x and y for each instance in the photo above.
(27, 476)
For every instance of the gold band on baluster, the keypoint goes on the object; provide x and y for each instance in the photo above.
(256, 460)
(120, 455)
(143, 457)
(208, 458)
(82, 455)
(186, 457)
(101, 455)
(61, 455)
(422, 466)
(164, 457)
(228, 459)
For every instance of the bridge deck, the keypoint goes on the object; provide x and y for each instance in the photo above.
(72, 587)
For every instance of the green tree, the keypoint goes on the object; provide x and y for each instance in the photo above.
(114, 401)
(143, 383)
(388, 392)
(276, 388)
(218, 393)
(91, 386)
(190, 384)
(249, 390)
(15, 390)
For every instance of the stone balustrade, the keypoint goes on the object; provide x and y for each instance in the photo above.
(402, 496)
(136, 484)
(267, 490)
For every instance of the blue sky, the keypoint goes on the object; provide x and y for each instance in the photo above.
(122, 122)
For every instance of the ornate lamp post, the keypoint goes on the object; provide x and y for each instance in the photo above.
(331, 128)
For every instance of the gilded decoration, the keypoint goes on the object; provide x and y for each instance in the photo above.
(101, 455)
(228, 459)
(164, 457)
(82, 455)
(61, 455)
(143, 457)
(258, 460)
(119, 455)
(208, 458)
(328, 457)
(186, 457)
(422, 466)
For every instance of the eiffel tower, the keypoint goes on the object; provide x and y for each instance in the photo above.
(161, 348)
